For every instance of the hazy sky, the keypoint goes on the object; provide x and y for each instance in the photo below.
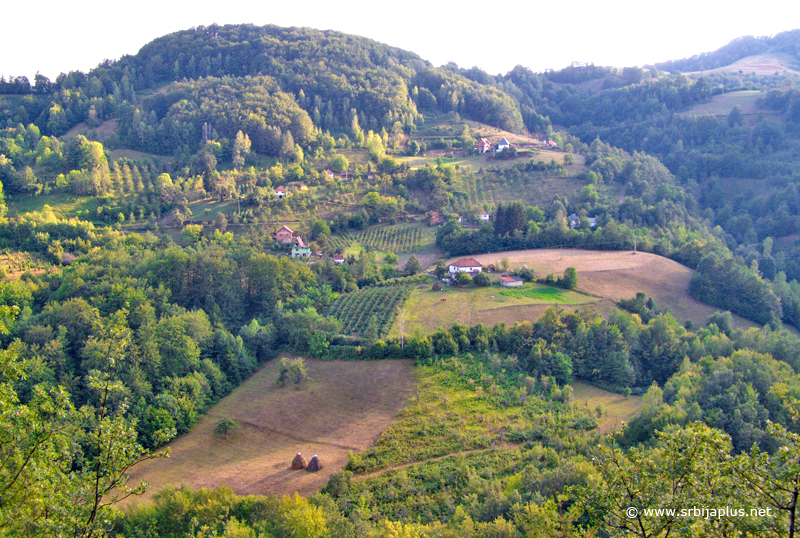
(53, 37)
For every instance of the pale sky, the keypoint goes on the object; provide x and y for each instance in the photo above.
(58, 36)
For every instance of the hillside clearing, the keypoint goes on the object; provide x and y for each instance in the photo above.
(613, 275)
(427, 310)
(721, 105)
(760, 64)
(344, 407)
(617, 409)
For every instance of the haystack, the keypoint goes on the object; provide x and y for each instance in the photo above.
(299, 462)
(314, 465)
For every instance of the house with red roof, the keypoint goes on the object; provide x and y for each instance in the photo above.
(281, 192)
(338, 259)
(510, 281)
(484, 145)
(300, 249)
(465, 265)
(284, 234)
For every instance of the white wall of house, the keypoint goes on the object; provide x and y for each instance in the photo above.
(454, 269)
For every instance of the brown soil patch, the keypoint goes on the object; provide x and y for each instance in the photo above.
(344, 407)
(614, 275)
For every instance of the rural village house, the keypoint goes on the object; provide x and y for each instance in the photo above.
(484, 145)
(575, 220)
(436, 219)
(465, 265)
(338, 259)
(484, 216)
(300, 249)
(284, 235)
(504, 144)
(280, 192)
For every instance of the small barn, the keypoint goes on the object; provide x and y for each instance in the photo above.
(511, 281)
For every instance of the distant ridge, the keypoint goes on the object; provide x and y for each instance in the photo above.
(783, 43)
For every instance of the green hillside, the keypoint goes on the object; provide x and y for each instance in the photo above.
(231, 200)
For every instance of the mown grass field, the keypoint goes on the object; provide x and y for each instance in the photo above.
(760, 64)
(427, 310)
(344, 407)
(209, 208)
(609, 276)
(721, 105)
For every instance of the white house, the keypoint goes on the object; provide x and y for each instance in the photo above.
(504, 144)
(280, 192)
(484, 216)
(575, 220)
(465, 265)
(484, 145)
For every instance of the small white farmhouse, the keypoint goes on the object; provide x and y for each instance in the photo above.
(465, 265)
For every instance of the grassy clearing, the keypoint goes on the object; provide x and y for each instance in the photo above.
(343, 408)
(539, 293)
(428, 310)
(63, 205)
(613, 275)
(721, 105)
(760, 64)
(469, 403)
(15, 264)
(209, 208)
(476, 162)
(616, 409)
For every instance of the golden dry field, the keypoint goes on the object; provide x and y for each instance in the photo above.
(343, 408)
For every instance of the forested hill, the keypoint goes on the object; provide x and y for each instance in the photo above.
(741, 47)
(341, 81)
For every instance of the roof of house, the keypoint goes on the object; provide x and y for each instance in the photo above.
(282, 228)
(280, 189)
(510, 279)
(504, 142)
(466, 262)
(484, 213)
(299, 241)
(338, 257)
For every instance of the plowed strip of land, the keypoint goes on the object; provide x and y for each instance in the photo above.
(344, 407)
